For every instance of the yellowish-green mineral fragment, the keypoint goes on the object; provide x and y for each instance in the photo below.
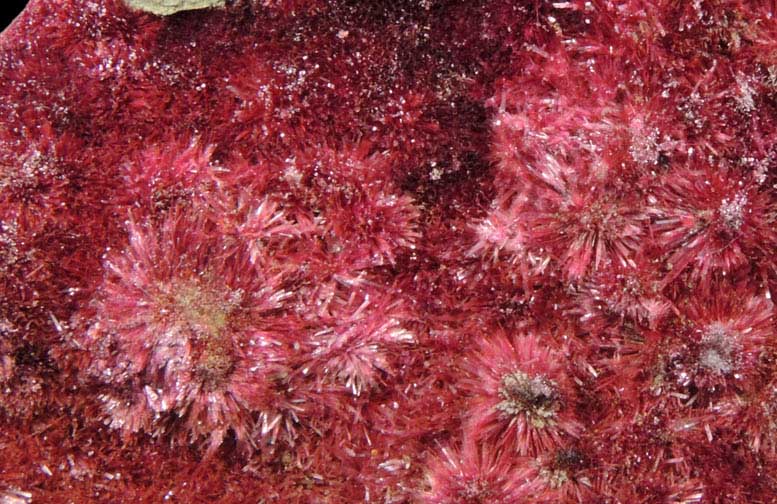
(167, 7)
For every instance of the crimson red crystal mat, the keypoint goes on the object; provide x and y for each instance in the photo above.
(399, 251)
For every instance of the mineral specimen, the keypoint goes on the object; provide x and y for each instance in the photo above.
(389, 251)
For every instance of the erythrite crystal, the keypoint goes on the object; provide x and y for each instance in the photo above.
(521, 397)
(181, 333)
(474, 476)
(389, 251)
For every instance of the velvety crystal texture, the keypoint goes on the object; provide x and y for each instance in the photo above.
(389, 251)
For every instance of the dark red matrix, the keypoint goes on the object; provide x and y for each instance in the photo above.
(411, 251)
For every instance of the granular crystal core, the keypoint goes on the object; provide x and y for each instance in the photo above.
(536, 397)
(168, 7)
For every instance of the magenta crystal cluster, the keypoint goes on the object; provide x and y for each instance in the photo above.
(407, 251)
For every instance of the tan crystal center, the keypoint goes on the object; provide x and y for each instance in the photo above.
(200, 309)
(536, 397)
(206, 315)
(168, 7)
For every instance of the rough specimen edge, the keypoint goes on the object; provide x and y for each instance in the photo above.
(168, 7)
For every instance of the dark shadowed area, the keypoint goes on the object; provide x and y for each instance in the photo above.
(9, 11)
